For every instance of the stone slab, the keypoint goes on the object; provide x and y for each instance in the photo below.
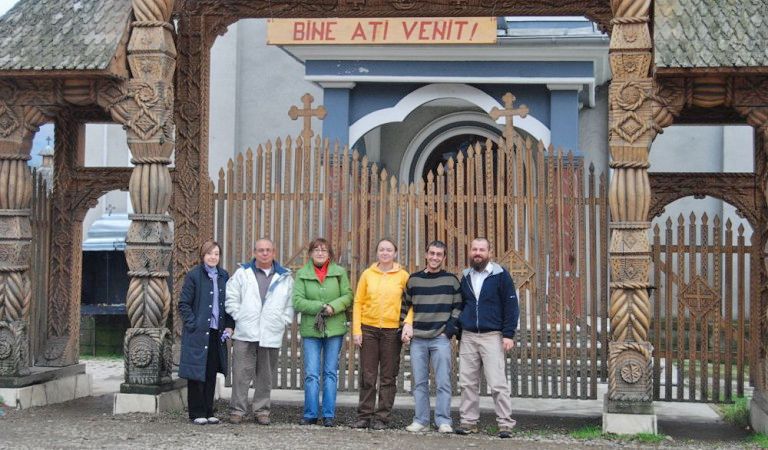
(58, 390)
(620, 407)
(152, 389)
(173, 400)
(629, 423)
(758, 412)
(39, 375)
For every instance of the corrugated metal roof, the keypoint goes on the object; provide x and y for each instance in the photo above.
(711, 33)
(62, 34)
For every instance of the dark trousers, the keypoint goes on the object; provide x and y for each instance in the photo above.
(379, 358)
(200, 393)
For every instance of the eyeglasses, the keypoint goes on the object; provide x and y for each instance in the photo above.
(320, 250)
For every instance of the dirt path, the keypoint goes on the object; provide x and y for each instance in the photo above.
(89, 423)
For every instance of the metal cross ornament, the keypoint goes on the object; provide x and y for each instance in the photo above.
(307, 113)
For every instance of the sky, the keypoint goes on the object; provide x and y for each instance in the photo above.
(5, 5)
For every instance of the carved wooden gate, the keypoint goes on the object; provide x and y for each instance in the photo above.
(40, 221)
(545, 215)
(703, 332)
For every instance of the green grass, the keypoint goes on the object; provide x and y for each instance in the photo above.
(759, 439)
(649, 438)
(591, 432)
(587, 432)
(492, 429)
(103, 356)
(736, 413)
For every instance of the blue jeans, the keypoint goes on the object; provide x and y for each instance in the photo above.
(312, 348)
(437, 352)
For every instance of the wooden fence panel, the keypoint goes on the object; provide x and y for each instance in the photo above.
(700, 280)
(546, 217)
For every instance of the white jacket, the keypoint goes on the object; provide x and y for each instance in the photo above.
(254, 322)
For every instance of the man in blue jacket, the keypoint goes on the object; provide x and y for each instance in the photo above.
(488, 322)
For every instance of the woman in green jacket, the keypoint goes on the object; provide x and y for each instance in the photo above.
(321, 293)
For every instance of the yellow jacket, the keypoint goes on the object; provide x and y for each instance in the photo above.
(378, 299)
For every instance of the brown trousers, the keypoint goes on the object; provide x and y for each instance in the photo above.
(379, 359)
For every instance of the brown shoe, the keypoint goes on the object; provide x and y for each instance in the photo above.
(361, 423)
(235, 418)
(262, 420)
(378, 425)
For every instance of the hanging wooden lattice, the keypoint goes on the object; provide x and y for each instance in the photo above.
(699, 297)
(522, 272)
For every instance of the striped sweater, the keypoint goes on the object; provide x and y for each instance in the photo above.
(436, 302)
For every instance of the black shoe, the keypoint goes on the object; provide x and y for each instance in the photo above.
(361, 423)
(378, 425)
(465, 429)
(505, 432)
(305, 421)
(328, 422)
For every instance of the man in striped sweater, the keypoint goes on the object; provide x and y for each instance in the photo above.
(435, 298)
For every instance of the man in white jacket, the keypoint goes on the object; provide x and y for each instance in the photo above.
(259, 300)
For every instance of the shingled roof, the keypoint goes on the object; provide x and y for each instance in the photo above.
(62, 35)
(710, 33)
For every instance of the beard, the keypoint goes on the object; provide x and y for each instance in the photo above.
(478, 263)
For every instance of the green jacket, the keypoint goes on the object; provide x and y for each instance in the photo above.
(309, 296)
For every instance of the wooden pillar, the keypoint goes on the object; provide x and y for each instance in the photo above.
(18, 125)
(758, 118)
(65, 279)
(152, 61)
(191, 208)
(632, 129)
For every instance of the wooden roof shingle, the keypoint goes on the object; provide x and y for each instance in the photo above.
(710, 33)
(62, 35)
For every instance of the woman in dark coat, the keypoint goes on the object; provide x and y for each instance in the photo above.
(206, 328)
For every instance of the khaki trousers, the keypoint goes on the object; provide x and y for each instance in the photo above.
(251, 362)
(483, 352)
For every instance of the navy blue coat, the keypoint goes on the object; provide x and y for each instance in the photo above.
(496, 309)
(195, 311)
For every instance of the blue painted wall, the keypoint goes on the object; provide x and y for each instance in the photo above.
(565, 120)
(365, 68)
(336, 122)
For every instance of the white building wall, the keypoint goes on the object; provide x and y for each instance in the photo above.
(265, 117)
(106, 146)
(222, 130)
(698, 148)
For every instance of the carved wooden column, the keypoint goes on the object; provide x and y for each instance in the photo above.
(192, 210)
(758, 118)
(62, 340)
(18, 125)
(149, 124)
(631, 131)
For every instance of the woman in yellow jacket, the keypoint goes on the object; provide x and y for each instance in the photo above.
(375, 324)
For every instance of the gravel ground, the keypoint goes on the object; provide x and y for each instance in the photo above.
(89, 423)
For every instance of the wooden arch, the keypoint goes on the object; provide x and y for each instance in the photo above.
(738, 189)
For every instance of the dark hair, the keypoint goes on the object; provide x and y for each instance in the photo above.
(317, 242)
(386, 240)
(265, 240)
(207, 246)
(438, 244)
